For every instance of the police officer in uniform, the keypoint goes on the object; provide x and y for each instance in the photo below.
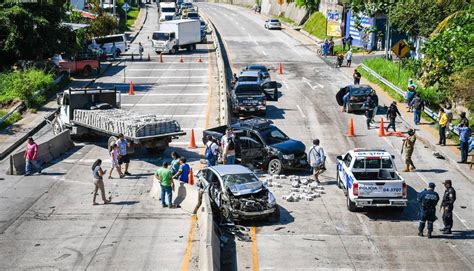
(428, 200)
(447, 205)
(409, 146)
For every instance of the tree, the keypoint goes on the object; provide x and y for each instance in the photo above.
(310, 5)
(420, 17)
(104, 25)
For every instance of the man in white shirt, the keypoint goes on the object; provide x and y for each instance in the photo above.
(317, 159)
(123, 158)
(228, 147)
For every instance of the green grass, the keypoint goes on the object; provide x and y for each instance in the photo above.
(132, 16)
(338, 49)
(316, 25)
(391, 92)
(10, 120)
(287, 20)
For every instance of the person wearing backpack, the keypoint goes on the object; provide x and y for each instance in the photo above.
(317, 159)
(418, 105)
(228, 146)
(211, 151)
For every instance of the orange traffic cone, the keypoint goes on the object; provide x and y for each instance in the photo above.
(161, 57)
(381, 128)
(200, 59)
(191, 177)
(351, 129)
(130, 90)
(280, 68)
(181, 60)
(192, 141)
(149, 57)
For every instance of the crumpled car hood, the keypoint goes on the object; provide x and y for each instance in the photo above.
(246, 188)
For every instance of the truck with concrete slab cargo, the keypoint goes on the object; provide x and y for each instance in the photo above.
(176, 34)
(369, 178)
(97, 111)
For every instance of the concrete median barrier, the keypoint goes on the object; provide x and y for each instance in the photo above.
(47, 151)
(209, 243)
(185, 195)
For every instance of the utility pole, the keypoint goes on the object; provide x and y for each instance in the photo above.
(113, 8)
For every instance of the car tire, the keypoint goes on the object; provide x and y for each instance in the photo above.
(275, 216)
(338, 179)
(275, 167)
(350, 204)
(57, 128)
(173, 51)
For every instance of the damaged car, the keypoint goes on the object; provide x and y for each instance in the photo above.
(237, 193)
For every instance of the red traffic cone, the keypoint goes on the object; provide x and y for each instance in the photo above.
(200, 59)
(280, 68)
(181, 60)
(192, 141)
(130, 90)
(351, 129)
(381, 128)
(161, 57)
(191, 177)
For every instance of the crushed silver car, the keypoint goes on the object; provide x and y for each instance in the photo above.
(238, 194)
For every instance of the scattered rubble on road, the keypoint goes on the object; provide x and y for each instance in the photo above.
(301, 188)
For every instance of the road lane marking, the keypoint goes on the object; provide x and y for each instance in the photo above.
(301, 111)
(167, 104)
(169, 69)
(165, 77)
(265, 54)
(253, 236)
(189, 246)
(165, 94)
(209, 88)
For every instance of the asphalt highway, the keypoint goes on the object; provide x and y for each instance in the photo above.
(323, 234)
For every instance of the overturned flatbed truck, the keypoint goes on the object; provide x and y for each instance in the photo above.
(97, 111)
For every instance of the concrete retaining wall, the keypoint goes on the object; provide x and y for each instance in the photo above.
(209, 243)
(47, 151)
(185, 195)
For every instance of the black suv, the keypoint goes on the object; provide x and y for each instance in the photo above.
(261, 144)
(357, 96)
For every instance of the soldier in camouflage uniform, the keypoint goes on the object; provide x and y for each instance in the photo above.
(409, 146)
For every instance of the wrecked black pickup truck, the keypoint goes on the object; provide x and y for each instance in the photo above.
(260, 144)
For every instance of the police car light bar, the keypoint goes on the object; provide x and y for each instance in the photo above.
(365, 149)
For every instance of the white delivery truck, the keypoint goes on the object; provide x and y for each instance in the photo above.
(369, 178)
(177, 34)
(167, 11)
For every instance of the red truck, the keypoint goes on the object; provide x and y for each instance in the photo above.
(78, 65)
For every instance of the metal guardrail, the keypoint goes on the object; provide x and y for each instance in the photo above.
(17, 107)
(432, 114)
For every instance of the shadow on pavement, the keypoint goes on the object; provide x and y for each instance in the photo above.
(456, 235)
(433, 170)
(125, 202)
(274, 112)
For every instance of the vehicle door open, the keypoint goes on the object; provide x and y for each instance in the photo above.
(250, 150)
(270, 89)
(340, 95)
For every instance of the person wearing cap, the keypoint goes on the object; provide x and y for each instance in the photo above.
(31, 157)
(392, 113)
(409, 146)
(428, 200)
(447, 205)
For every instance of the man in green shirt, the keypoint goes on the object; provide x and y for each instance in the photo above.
(165, 178)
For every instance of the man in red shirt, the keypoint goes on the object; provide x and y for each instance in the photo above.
(31, 157)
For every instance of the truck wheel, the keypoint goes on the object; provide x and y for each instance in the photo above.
(339, 184)
(57, 128)
(275, 167)
(87, 71)
(350, 205)
(173, 51)
(112, 140)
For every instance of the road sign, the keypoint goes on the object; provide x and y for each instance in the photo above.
(401, 49)
(126, 7)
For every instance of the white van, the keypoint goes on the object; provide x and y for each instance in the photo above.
(107, 42)
(167, 11)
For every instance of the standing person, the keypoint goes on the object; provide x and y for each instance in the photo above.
(418, 106)
(211, 151)
(349, 58)
(343, 44)
(97, 174)
(408, 147)
(356, 75)
(345, 101)
(183, 172)
(449, 115)
(325, 48)
(375, 100)
(443, 121)
(174, 162)
(428, 200)
(410, 96)
(140, 50)
(369, 109)
(114, 154)
(114, 51)
(31, 157)
(349, 42)
(464, 135)
(411, 84)
(392, 113)
(331, 46)
(165, 178)
(464, 119)
(122, 144)
(228, 146)
(317, 159)
(447, 205)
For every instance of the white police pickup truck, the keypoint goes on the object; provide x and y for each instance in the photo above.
(369, 178)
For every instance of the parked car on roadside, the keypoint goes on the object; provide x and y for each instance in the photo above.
(262, 145)
(259, 67)
(83, 64)
(238, 194)
(106, 44)
(272, 24)
(357, 96)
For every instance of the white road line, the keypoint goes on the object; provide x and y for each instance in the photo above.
(165, 77)
(169, 69)
(146, 105)
(301, 111)
(243, 28)
(166, 94)
(263, 51)
(182, 116)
